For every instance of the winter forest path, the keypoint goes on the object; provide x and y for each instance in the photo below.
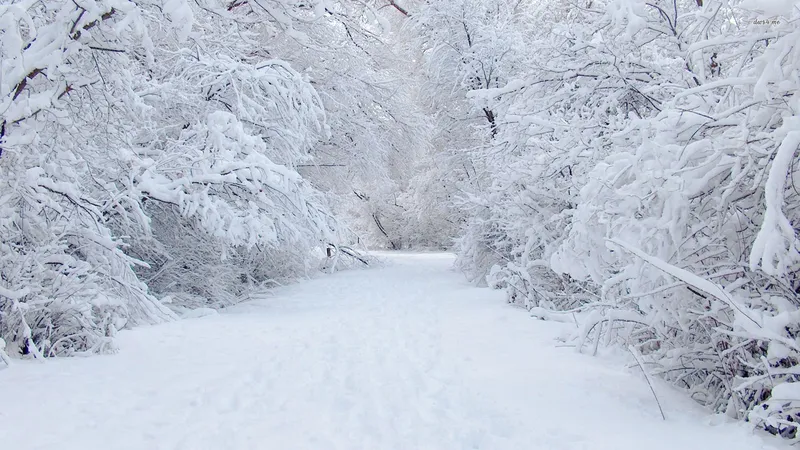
(408, 356)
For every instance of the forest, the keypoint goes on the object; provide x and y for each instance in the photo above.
(629, 167)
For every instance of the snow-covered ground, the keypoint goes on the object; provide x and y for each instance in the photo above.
(404, 357)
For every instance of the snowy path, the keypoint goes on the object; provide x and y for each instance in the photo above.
(404, 357)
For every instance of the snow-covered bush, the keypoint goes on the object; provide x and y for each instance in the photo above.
(691, 225)
(66, 284)
(149, 149)
(554, 122)
(640, 170)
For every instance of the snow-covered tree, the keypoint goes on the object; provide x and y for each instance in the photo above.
(145, 152)
(639, 170)
(690, 224)
(466, 46)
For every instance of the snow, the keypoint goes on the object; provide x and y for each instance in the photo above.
(777, 247)
(690, 279)
(181, 15)
(407, 356)
(771, 7)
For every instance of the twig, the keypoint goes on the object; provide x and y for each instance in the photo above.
(352, 253)
(105, 49)
(3, 355)
(638, 359)
(402, 10)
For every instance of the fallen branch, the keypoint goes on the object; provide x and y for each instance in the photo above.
(353, 254)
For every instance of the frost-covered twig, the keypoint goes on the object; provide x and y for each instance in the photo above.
(638, 358)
